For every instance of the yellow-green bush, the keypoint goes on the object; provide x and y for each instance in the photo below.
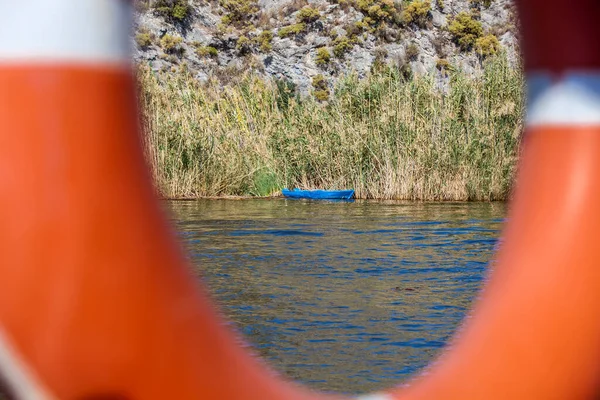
(444, 66)
(412, 51)
(308, 14)
(321, 95)
(206, 51)
(479, 3)
(174, 10)
(238, 12)
(323, 56)
(465, 30)
(144, 39)
(342, 45)
(379, 10)
(171, 44)
(361, 26)
(487, 45)
(417, 13)
(291, 30)
(321, 91)
(243, 44)
(264, 41)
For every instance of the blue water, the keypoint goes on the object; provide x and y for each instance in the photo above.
(348, 297)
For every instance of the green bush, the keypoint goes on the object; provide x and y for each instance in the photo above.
(264, 41)
(342, 45)
(243, 45)
(171, 44)
(465, 30)
(479, 3)
(379, 10)
(442, 64)
(360, 26)
(207, 51)
(238, 12)
(323, 56)
(308, 14)
(174, 10)
(487, 45)
(319, 82)
(144, 39)
(440, 4)
(417, 13)
(321, 91)
(291, 30)
(412, 51)
(321, 95)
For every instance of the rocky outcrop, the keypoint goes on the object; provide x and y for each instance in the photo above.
(282, 40)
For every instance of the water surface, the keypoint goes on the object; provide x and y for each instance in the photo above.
(347, 297)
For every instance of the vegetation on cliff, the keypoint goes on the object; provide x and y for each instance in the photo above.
(387, 136)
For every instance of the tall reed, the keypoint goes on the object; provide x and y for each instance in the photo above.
(385, 136)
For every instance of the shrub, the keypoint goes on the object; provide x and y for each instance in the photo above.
(443, 65)
(321, 95)
(342, 45)
(174, 10)
(379, 10)
(291, 30)
(479, 3)
(243, 45)
(487, 45)
(440, 4)
(264, 41)
(144, 38)
(319, 82)
(207, 51)
(238, 12)
(360, 26)
(412, 51)
(308, 14)
(323, 56)
(417, 13)
(170, 44)
(385, 33)
(465, 30)
(321, 91)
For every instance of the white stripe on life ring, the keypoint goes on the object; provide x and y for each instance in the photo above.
(571, 99)
(16, 375)
(59, 31)
(376, 396)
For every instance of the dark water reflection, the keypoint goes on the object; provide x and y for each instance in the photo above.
(349, 297)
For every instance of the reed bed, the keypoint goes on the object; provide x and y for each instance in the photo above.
(386, 136)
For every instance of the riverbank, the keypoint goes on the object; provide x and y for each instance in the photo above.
(386, 136)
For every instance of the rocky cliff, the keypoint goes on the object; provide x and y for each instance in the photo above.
(311, 42)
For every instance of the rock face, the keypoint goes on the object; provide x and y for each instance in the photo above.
(297, 40)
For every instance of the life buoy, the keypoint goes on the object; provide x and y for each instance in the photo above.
(96, 301)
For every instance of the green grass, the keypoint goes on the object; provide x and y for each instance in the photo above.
(384, 136)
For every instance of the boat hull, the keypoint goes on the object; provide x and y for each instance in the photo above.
(319, 194)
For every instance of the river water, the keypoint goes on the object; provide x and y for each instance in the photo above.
(347, 297)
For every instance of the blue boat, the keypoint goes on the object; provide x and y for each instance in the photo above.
(319, 194)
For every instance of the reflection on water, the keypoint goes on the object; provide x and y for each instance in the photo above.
(348, 297)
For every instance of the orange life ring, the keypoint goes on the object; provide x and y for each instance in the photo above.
(96, 300)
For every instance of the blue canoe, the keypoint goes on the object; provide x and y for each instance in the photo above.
(319, 194)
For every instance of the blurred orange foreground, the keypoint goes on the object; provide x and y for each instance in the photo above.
(97, 301)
